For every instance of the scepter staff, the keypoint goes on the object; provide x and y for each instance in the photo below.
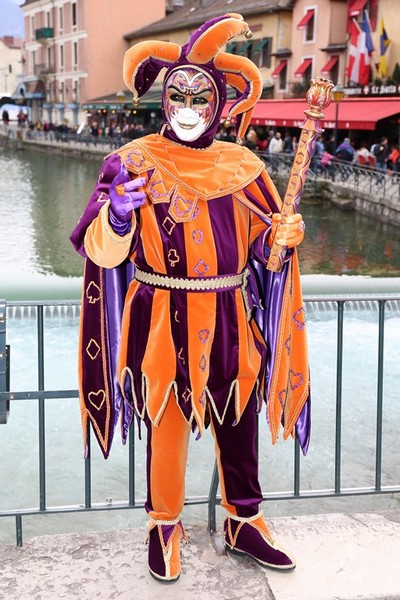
(318, 98)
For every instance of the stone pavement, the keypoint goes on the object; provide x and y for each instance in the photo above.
(339, 557)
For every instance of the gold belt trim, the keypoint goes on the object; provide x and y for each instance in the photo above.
(210, 284)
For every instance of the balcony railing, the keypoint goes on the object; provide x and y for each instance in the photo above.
(44, 33)
(43, 69)
(40, 316)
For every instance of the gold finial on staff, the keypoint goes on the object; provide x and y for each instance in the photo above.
(318, 97)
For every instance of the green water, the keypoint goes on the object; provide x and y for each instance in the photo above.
(42, 196)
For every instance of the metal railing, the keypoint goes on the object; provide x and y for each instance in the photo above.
(363, 178)
(41, 311)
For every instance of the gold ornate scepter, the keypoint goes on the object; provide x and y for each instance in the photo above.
(318, 97)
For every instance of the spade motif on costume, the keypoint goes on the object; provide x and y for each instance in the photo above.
(93, 292)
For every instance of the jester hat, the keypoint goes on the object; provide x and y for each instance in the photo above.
(144, 61)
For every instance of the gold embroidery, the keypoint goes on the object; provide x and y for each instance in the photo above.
(93, 349)
(93, 292)
(97, 399)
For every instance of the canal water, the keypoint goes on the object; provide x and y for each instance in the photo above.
(41, 198)
(42, 195)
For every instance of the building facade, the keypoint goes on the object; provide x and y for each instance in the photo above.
(10, 64)
(73, 52)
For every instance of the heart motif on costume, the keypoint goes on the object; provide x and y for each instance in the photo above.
(198, 236)
(296, 379)
(158, 192)
(181, 206)
(97, 399)
(204, 334)
(299, 318)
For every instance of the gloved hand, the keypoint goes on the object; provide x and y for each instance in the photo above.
(288, 231)
(125, 197)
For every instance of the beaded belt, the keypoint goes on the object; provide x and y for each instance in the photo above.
(210, 284)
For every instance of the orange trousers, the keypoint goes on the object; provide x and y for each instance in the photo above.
(237, 459)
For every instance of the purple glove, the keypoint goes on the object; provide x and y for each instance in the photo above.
(124, 199)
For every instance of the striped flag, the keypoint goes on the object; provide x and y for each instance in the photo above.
(360, 51)
(384, 44)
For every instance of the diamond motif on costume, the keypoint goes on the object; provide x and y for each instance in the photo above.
(282, 397)
(300, 322)
(173, 257)
(93, 292)
(97, 399)
(198, 236)
(288, 344)
(168, 225)
(203, 363)
(135, 158)
(204, 334)
(93, 349)
(103, 197)
(201, 268)
(295, 379)
(187, 395)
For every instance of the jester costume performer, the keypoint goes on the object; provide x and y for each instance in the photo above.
(182, 323)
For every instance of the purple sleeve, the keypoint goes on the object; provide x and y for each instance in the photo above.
(110, 168)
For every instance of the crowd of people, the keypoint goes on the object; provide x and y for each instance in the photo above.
(380, 155)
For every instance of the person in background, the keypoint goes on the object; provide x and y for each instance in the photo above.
(288, 144)
(180, 219)
(381, 153)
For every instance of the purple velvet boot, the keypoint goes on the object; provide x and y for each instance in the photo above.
(164, 549)
(250, 537)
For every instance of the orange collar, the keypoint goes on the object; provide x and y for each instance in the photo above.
(222, 168)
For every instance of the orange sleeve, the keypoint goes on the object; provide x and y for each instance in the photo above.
(102, 245)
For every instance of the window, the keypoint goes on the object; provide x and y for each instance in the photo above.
(307, 24)
(61, 56)
(75, 54)
(49, 58)
(244, 49)
(74, 16)
(48, 21)
(283, 78)
(32, 28)
(60, 18)
(10, 68)
(331, 69)
(261, 52)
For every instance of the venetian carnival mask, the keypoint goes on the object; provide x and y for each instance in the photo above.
(194, 90)
(190, 102)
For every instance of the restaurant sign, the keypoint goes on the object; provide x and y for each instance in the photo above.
(373, 90)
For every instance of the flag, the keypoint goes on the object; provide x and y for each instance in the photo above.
(353, 66)
(360, 51)
(384, 44)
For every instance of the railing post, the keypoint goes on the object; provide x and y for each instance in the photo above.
(379, 399)
(4, 383)
(339, 376)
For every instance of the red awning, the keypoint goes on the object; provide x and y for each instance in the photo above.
(303, 23)
(329, 65)
(307, 62)
(282, 64)
(360, 113)
(356, 7)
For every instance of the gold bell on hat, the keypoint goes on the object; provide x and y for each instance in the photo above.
(135, 101)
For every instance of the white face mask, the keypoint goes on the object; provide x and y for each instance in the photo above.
(189, 103)
(187, 124)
